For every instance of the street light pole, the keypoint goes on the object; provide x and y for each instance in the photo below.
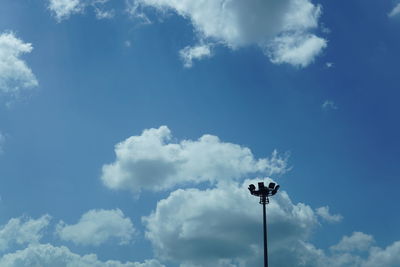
(265, 236)
(264, 192)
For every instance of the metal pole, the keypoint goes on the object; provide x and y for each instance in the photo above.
(265, 236)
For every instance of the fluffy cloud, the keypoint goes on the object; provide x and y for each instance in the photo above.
(63, 9)
(48, 255)
(326, 215)
(150, 161)
(390, 256)
(96, 227)
(22, 231)
(188, 54)
(295, 49)
(15, 75)
(281, 28)
(221, 227)
(356, 242)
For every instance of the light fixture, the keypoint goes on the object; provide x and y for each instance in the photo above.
(264, 192)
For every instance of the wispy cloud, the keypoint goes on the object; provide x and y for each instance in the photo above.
(188, 54)
(329, 105)
(395, 11)
(324, 213)
(63, 9)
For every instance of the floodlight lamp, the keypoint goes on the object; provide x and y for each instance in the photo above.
(271, 185)
(273, 192)
(252, 188)
(260, 185)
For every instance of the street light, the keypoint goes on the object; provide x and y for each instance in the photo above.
(264, 192)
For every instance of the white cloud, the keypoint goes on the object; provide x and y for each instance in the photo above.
(395, 11)
(19, 231)
(48, 255)
(150, 161)
(15, 75)
(388, 257)
(356, 242)
(325, 214)
(295, 49)
(104, 14)
(221, 226)
(189, 53)
(283, 27)
(63, 9)
(96, 227)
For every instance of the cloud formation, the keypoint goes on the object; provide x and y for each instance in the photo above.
(20, 231)
(189, 53)
(329, 105)
(15, 75)
(221, 227)
(48, 255)
(151, 161)
(395, 11)
(283, 29)
(63, 9)
(96, 227)
(356, 242)
(324, 213)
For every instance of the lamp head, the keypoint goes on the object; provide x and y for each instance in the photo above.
(252, 188)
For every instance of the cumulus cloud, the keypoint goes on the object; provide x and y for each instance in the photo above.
(48, 255)
(221, 226)
(15, 75)
(19, 231)
(395, 11)
(389, 256)
(151, 161)
(63, 9)
(282, 28)
(189, 53)
(356, 242)
(96, 227)
(326, 215)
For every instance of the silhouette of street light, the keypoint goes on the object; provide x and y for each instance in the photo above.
(264, 192)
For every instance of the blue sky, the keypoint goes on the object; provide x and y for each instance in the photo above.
(129, 131)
